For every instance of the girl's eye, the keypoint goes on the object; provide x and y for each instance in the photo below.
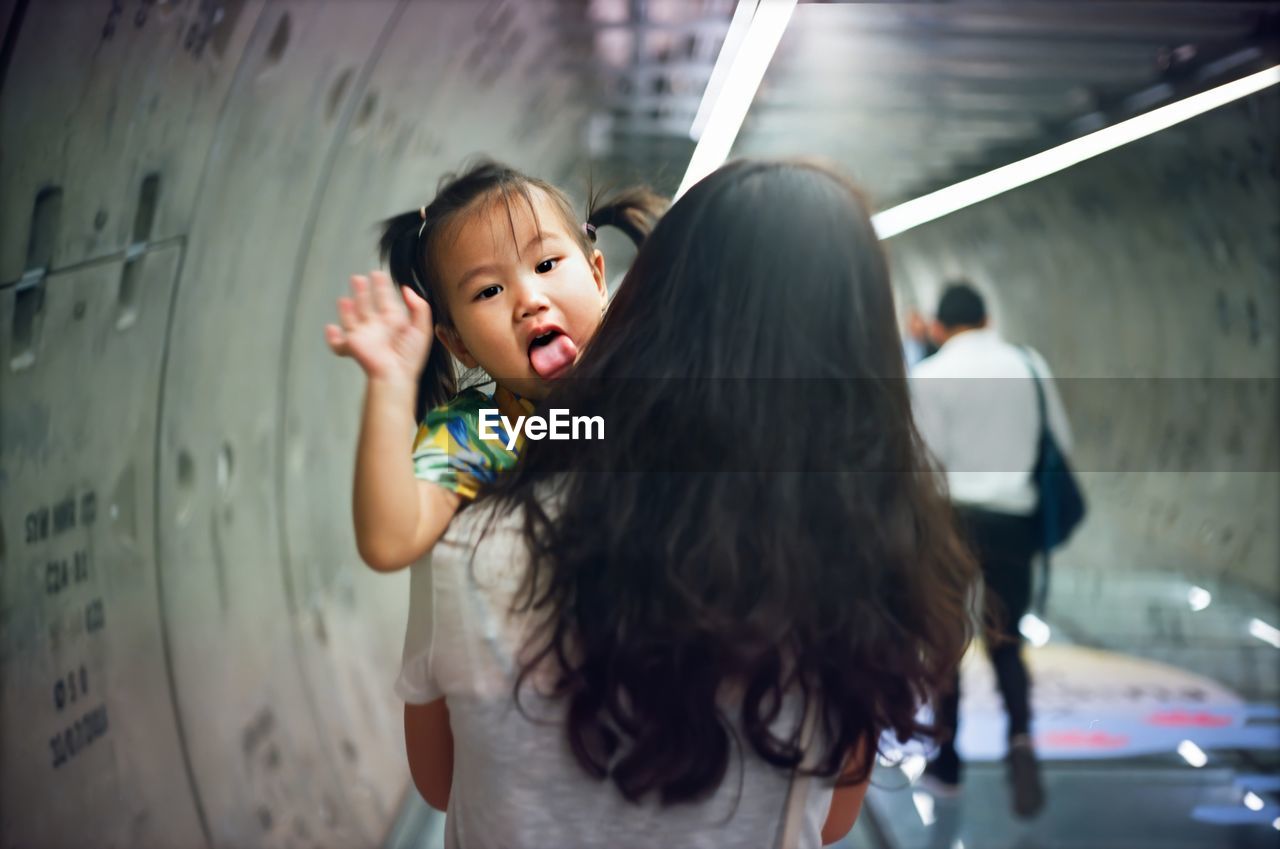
(488, 292)
(546, 265)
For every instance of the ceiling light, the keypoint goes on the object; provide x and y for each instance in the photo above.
(1266, 633)
(1253, 801)
(729, 105)
(742, 15)
(913, 213)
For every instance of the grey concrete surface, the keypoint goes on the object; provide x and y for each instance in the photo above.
(190, 652)
(165, 369)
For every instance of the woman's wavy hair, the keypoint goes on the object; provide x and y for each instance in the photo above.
(761, 522)
(410, 242)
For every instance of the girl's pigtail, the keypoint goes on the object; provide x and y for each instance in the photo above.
(398, 248)
(634, 211)
(401, 248)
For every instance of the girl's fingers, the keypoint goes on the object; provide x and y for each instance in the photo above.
(361, 298)
(347, 314)
(419, 309)
(337, 340)
(382, 300)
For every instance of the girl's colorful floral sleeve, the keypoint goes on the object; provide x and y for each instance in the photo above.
(448, 450)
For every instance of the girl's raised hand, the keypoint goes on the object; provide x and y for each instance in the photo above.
(387, 340)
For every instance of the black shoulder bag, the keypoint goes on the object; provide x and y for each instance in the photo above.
(1061, 506)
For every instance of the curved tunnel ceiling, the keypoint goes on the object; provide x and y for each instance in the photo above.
(191, 653)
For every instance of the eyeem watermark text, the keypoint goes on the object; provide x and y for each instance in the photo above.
(559, 425)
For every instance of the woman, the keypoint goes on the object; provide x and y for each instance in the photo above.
(694, 631)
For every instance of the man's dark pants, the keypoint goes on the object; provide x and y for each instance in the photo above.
(1005, 545)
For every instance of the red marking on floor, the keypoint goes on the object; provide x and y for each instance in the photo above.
(1185, 718)
(1082, 740)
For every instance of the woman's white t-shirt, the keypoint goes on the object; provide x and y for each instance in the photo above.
(515, 781)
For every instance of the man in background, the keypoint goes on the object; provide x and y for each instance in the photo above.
(975, 404)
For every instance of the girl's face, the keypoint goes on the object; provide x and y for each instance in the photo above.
(521, 308)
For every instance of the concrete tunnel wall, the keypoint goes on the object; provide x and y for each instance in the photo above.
(191, 653)
(214, 666)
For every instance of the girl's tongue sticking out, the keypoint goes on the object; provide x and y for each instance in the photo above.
(552, 354)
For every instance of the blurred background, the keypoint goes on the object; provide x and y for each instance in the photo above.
(191, 653)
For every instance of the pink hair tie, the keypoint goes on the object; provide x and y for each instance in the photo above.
(590, 230)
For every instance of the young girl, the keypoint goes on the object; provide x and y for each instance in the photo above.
(694, 632)
(497, 274)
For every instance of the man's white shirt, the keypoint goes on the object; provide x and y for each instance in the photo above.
(975, 406)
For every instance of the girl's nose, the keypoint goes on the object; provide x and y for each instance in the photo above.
(532, 300)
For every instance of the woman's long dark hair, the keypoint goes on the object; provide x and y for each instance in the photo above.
(760, 520)
(410, 242)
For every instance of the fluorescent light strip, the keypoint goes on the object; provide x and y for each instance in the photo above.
(738, 27)
(913, 213)
(1267, 633)
(724, 117)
